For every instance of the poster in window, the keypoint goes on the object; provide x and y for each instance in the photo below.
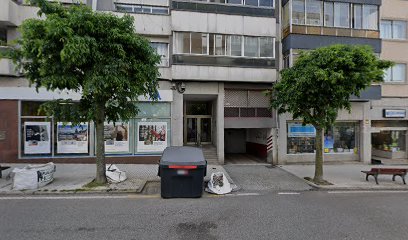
(72, 139)
(152, 136)
(37, 138)
(116, 137)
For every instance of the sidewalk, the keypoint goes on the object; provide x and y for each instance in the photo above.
(71, 178)
(349, 176)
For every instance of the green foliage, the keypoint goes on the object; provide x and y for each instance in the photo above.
(97, 54)
(321, 82)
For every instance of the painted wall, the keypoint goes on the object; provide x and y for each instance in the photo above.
(9, 130)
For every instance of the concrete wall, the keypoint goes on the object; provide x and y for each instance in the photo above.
(222, 23)
(228, 74)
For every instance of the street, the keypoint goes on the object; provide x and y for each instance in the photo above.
(242, 215)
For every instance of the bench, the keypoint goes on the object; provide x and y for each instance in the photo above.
(2, 169)
(402, 172)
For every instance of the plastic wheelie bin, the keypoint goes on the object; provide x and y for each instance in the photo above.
(182, 171)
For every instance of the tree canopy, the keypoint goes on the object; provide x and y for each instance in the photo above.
(321, 82)
(97, 54)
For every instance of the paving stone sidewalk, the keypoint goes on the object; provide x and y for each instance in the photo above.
(71, 178)
(349, 176)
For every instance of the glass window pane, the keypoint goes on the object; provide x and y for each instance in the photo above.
(162, 50)
(298, 12)
(211, 46)
(198, 43)
(219, 44)
(251, 47)
(370, 17)
(266, 47)
(286, 16)
(146, 9)
(387, 75)
(398, 72)
(301, 139)
(123, 8)
(182, 42)
(386, 29)
(160, 10)
(147, 109)
(266, 3)
(251, 2)
(328, 14)
(137, 9)
(218, 1)
(236, 47)
(313, 12)
(358, 16)
(399, 29)
(234, 1)
(341, 138)
(341, 16)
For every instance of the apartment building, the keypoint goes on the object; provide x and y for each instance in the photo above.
(388, 116)
(218, 58)
(309, 24)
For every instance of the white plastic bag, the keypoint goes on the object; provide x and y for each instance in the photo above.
(114, 175)
(219, 184)
(33, 176)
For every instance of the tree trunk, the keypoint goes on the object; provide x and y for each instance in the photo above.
(100, 145)
(318, 177)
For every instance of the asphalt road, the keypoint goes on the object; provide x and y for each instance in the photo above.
(269, 215)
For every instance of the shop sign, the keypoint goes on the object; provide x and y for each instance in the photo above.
(37, 138)
(394, 113)
(298, 130)
(72, 139)
(116, 137)
(152, 136)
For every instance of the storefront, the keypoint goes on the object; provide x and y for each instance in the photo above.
(389, 139)
(342, 138)
(40, 139)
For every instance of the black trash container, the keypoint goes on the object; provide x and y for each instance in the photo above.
(182, 171)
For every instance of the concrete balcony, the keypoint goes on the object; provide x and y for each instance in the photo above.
(227, 74)
(7, 68)
(150, 24)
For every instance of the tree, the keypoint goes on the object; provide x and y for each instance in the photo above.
(320, 84)
(97, 54)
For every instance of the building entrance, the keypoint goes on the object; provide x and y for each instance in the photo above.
(198, 123)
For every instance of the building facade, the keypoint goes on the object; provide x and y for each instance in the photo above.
(216, 64)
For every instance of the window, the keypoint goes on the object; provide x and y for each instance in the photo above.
(224, 45)
(341, 138)
(266, 3)
(298, 12)
(396, 73)
(235, 45)
(286, 16)
(357, 16)
(162, 50)
(313, 12)
(234, 1)
(251, 47)
(266, 45)
(251, 2)
(130, 8)
(341, 17)
(370, 17)
(328, 14)
(393, 29)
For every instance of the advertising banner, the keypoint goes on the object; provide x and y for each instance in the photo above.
(72, 139)
(116, 137)
(152, 136)
(298, 130)
(37, 138)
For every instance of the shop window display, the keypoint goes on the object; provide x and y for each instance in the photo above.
(341, 138)
(389, 141)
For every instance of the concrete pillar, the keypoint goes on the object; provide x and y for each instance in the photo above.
(177, 119)
(270, 145)
(220, 123)
(365, 134)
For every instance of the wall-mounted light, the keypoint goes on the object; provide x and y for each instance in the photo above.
(179, 86)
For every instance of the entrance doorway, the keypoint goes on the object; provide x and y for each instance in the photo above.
(197, 130)
(198, 123)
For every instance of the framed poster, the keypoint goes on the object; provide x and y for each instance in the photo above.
(72, 139)
(152, 136)
(116, 137)
(37, 137)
